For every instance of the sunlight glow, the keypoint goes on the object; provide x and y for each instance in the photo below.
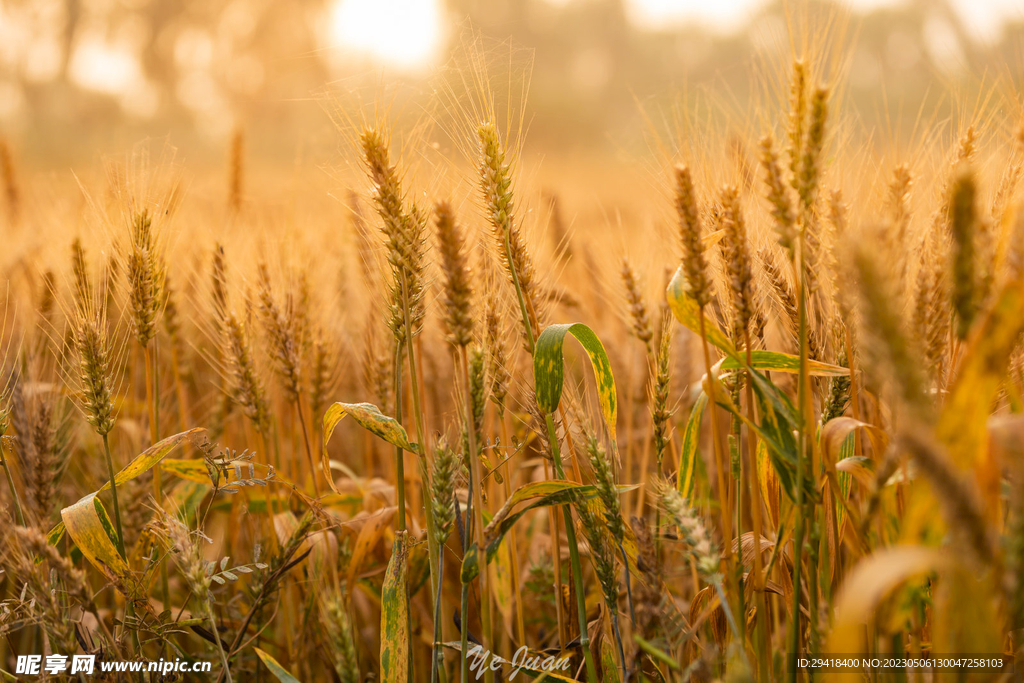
(404, 33)
(722, 15)
(982, 18)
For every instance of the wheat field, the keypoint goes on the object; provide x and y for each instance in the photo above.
(755, 398)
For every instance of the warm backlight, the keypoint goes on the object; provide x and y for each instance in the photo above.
(404, 33)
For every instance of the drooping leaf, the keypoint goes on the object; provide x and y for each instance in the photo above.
(784, 362)
(369, 418)
(548, 369)
(192, 469)
(687, 312)
(689, 457)
(564, 494)
(280, 673)
(858, 467)
(537, 489)
(142, 463)
(501, 582)
(869, 582)
(371, 531)
(394, 616)
(835, 432)
(89, 527)
(150, 457)
(778, 425)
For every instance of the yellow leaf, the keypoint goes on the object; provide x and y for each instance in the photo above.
(373, 527)
(871, 581)
(835, 431)
(369, 418)
(89, 527)
(961, 427)
(687, 312)
(143, 462)
(394, 616)
(548, 370)
(280, 673)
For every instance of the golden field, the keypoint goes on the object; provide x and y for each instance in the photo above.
(667, 417)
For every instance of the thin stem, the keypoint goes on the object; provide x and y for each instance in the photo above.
(399, 453)
(179, 388)
(738, 571)
(854, 388)
(113, 494)
(574, 558)
(723, 491)
(464, 606)
(618, 641)
(512, 547)
(309, 448)
(717, 583)
(216, 636)
(435, 649)
(421, 437)
(798, 535)
(478, 510)
(152, 398)
(556, 557)
(467, 528)
(761, 626)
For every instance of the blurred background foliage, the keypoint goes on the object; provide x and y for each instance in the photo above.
(81, 75)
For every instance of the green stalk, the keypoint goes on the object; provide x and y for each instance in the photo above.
(464, 606)
(113, 494)
(467, 528)
(574, 557)
(10, 483)
(435, 649)
(763, 647)
(717, 583)
(798, 535)
(738, 571)
(399, 453)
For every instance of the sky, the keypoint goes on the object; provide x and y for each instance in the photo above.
(407, 33)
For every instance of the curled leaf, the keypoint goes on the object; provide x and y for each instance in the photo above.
(686, 311)
(142, 463)
(369, 418)
(870, 581)
(548, 369)
(89, 527)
